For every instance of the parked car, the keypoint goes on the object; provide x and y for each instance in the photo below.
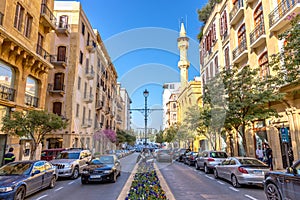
(190, 158)
(71, 162)
(22, 178)
(242, 170)
(164, 155)
(50, 154)
(104, 168)
(207, 160)
(283, 185)
(181, 155)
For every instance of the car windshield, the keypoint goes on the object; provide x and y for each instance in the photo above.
(106, 159)
(254, 162)
(15, 169)
(68, 155)
(218, 155)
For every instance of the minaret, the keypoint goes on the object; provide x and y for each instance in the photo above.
(183, 64)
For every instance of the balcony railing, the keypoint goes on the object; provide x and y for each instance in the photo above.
(1, 18)
(87, 123)
(7, 93)
(258, 31)
(63, 27)
(31, 100)
(239, 50)
(42, 52)
(281, 10)
(58, 60)
(235, 11)
(46, 12)
(90, 46)
(89, 72)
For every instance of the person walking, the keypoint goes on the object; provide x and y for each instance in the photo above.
(10, 156)
(259, 153)
(291, 156)
(269, 155)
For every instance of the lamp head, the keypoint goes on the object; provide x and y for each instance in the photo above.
(146, 93)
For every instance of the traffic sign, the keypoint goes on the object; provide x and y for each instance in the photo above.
(284, 134)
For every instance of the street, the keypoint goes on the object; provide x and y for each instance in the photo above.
(185, 182)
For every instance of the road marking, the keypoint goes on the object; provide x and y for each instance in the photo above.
(211, 178)
(195, 170)
(71, 182)
(42, 197)
(250, 197)
(58, 189)
(233, 189)
(221, 182)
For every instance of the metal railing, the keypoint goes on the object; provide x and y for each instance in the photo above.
(46, 11)
(282, 8)
(7, 93)
(235, 9)
(63, 25)
(42, 52)
(31, 100)
(240, 49)
(91, 43)
(57, 58)
(56, 87)
(1, 18)
(258, 31)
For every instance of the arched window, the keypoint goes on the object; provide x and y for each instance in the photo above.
(61, 53)
(63, 21)
(264, 65)
(7, 77)
(258, 15)
(57, 106)
(31, 92)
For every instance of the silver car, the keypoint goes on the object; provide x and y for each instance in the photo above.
(164, 155)
(242, 170)
(207, 160)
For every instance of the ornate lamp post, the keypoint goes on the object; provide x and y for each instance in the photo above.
(146, 94)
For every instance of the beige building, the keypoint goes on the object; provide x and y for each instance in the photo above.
(246, 33)
(82, 86)
(25, 28)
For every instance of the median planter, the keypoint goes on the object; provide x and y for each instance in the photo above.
(146, 184)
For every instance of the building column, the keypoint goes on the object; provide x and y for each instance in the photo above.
(273, 139)
(294, 130)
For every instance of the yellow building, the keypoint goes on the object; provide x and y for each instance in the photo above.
(246, 33)
(24, 62)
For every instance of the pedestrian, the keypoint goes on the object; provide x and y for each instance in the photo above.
(259, 153)
(269, 154)
(10, 156)
(291, 156)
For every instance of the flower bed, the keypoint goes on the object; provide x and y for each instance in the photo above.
(146, 185)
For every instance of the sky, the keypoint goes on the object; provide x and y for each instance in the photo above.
(141, 39)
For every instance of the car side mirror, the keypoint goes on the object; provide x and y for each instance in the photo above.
(291, 170)
(36, 172)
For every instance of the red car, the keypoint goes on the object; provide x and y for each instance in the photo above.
(50, 154)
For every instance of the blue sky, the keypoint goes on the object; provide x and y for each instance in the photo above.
(141, 39)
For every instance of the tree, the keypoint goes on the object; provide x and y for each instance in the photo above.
(33, 124)
(160, 137)
(170, 133)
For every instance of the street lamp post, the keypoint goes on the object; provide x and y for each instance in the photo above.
(146, 94)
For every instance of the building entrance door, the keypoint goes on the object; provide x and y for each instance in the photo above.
(3, 139)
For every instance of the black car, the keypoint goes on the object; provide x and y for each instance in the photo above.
(283, 185)
(190, 158)
(104, 168)
(23, 178)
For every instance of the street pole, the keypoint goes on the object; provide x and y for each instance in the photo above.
(146, 93)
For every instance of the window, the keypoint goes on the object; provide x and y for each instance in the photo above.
(28, 25)
(57, 108)
(216, 65)
(61, 53)
(174, 116)
(223, 25)
(77, 110)
(58, 81)
(80, 57)
(258, 15)
(79, 82)
(263, 64)
(174, 105)
(63, 21)
(89, 114)
(83, 115)
(242, 34)
(19, 17)
(82, 28)
(85, 88)
(227, 58)
(88, 39)
(40, 44)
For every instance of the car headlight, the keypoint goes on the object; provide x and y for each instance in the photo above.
(107, 171)
(85, 171)
(6, 189)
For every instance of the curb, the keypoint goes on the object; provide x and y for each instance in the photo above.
(164, 184)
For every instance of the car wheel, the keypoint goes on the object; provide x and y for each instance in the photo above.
(84, 181)
(196, 165)
(75, 174)
(206, 170)
(52, 182)
(272, 192)
(20, 193)
(216, 173)
(235, 182)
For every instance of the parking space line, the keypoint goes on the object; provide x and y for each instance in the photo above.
(71, 182)
(221, 182)
(211, 178)
(42, 197)
(250, 197)
(233, 189)
(58, 189)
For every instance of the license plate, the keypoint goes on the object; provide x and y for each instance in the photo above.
(95, 176)
(257, 172)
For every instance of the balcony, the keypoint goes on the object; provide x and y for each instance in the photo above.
(240, 52)
(31, 100)
(7, 93)
(47, 18)
(89, 73)
(1, 18)
(87, 123)
(258, 36)
(237, 12)
(278, 18)
(59, 61)
(56, 89)
(63, 28)
(43, 53)
(91, 46)
(99, 105)
(88, 98)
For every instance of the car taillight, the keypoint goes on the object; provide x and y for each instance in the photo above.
(210, 159)
(242, 170)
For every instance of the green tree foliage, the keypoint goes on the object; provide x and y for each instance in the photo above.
(160, 137)
(124, 137)
(33, 124)
(170, 133)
